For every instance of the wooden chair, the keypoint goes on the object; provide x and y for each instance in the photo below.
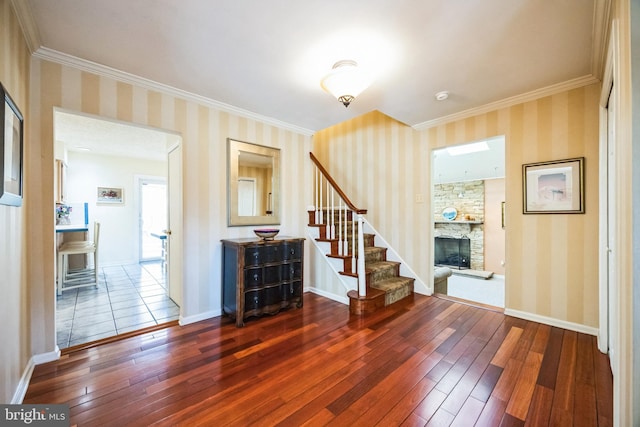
(83, 277)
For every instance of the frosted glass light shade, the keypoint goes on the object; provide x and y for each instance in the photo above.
(346, 81)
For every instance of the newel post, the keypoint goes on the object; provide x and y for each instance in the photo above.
(362, 279)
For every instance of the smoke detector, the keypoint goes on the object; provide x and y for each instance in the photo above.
(441, 96)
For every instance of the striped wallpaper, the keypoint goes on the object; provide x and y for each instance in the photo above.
(15, 350)
(551, 260)
(204, 132)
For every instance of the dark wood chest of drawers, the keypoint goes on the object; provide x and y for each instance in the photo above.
(261, 277)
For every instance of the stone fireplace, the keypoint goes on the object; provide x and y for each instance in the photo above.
(468, 199)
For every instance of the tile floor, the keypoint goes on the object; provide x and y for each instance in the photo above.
(129, 297)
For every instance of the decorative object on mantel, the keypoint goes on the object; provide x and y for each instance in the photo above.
(62, 214)
(450, 214)
(266, 233)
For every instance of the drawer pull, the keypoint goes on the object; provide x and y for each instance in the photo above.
(255, 277)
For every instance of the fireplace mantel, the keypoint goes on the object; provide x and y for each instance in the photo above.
(459, 222)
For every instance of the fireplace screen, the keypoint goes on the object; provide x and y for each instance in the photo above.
(453, 252)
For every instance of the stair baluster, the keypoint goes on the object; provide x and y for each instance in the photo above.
(315, 196)
(320, 204)
(340, 247)
(353, 247)
(345, 241)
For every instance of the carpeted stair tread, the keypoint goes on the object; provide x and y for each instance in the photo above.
(392, 283)
(380, 265)
(395, 288)
(374, 254)
(381, 270)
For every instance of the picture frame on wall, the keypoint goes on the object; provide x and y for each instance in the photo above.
(110, 195)
(11, 151)
(554, 187)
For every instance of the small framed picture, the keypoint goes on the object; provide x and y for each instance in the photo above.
(110, 195)
(553, 187)
(11, 151)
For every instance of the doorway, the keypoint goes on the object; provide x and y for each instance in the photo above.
(468, 209)
(131, 295)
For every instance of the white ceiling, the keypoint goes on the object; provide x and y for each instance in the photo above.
(266, 58)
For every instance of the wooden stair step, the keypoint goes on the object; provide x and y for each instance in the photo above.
(370, 303)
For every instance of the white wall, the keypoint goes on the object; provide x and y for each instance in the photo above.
(118, 222)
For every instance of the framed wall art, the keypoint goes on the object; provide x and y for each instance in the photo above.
(11, 151)
(110, 195)
(553, 187)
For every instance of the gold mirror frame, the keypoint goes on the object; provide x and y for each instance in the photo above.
(267, 203)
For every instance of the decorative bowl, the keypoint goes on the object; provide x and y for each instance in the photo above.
(266, 233)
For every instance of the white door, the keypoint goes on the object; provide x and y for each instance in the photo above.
(612, 290)
(246, 197)
(174, 230)
(152, 217)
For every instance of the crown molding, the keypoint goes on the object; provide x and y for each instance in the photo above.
(509, 102)
(27, 23)
(122, 76)
(601, 25)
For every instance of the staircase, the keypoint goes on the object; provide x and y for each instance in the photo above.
(342, 227)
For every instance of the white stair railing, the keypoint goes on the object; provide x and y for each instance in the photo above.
(325, 212)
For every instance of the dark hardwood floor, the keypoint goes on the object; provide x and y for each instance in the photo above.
(424, 361)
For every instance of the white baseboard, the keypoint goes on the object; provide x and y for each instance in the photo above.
(23, 385)
(338, 298)
(428, 291)
(25, 379)
(199, 317)
(589, 330)
(39, 359)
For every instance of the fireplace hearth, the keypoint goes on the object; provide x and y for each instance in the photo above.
(454, 252)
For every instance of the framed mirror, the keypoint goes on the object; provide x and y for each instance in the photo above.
(253, 184)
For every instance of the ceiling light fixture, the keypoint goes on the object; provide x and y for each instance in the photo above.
(346, 81)
(441, 96)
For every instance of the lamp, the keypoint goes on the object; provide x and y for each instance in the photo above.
(346, 81)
